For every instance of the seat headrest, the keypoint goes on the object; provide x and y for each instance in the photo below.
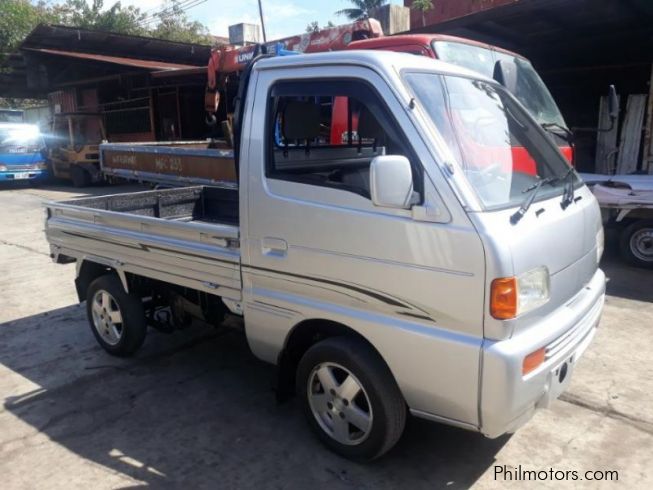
(368, 126)
(301, 121)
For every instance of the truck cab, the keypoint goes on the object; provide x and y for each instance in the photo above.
(529, 89)
(22, 153)
(411, 268)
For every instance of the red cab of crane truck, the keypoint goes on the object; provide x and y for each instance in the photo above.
(527, 87)
(524, 82)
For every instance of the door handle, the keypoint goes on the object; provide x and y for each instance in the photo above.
(274, 247)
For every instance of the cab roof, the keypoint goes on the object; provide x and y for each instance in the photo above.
(382, 61)
(424, 40)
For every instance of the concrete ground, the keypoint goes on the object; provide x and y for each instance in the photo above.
(196, 410)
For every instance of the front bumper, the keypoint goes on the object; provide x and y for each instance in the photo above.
(20, 175)
(508, 398)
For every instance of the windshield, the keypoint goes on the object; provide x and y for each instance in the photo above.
(530, 91)
(20, 139)
(501, 151)
(10, 116)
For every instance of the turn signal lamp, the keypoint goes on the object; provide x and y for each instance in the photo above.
(503, 298)
(513, 296)
(533, 360)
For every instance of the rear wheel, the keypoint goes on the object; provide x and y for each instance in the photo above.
(117, 319)
(636, 243)
(350, 398)
(79, 176)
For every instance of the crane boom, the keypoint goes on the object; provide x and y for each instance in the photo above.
(228, 60)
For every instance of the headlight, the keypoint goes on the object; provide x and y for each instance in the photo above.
(42, 166)
(3, 168)
(532, 289)
(600, 244)
(513, 296)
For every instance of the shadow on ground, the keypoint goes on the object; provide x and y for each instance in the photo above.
(195, 408)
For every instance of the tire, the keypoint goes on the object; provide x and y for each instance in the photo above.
(79, 176)
(636, 243)
(120, 335)
(378, 405)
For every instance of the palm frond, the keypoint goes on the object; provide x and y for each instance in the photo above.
(353, 14)
(361, 8)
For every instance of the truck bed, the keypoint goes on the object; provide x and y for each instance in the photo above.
(173, 163)
(187, 236)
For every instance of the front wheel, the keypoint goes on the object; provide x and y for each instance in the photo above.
(350, 398)
(636, 243)
(117, 319)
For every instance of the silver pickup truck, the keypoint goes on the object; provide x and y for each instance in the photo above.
(440, 258)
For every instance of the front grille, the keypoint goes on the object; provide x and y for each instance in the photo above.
(21, 149)
(11, 168)
(572, 336)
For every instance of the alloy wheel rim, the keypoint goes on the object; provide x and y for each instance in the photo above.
(340, 404)
(107, 317)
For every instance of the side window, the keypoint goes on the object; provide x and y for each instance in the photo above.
(326, 133)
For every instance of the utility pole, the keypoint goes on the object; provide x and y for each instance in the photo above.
(260, 11)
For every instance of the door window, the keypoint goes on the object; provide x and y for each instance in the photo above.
(326, 134)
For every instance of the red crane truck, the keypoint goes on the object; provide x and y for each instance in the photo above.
(227, 64)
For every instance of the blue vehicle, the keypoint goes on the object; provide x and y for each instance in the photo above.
(11, 116)
(22, 153)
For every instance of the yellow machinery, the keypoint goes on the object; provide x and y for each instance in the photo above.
(73, 149)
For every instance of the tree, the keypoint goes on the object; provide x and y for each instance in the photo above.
(423, 6)
(362, 9)
(174, 25)
(315, 26)
(125, 20)
(17, 19)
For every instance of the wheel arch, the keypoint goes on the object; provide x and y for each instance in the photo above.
(300, 338)
(89, 270)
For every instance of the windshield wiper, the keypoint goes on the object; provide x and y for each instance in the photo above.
(567, 197)
(563, 132)
(533, 189)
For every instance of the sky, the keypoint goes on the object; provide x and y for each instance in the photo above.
(282, 17)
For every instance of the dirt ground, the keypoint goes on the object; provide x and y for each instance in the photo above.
(195, 409)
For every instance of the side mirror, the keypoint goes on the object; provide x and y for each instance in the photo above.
(613, 103)
(613, 114)
(391, 182)
(505, 73)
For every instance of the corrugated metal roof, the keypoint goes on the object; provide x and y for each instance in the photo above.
(117, 60)
(113, 44)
